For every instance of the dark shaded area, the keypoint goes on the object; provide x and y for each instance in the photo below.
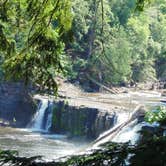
(16, 105)
(81, 121)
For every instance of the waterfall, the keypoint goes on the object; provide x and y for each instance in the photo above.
(107, 135)
(121, 118)
(129, 133)
(42, 119)
(49, 118)
(126, 127)
(39, 116)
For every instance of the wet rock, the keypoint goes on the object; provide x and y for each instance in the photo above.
(139, 113)
(163, 93)
(16, 106)
(103, 121)
(164, 133)
(150, 129)
(80, 121)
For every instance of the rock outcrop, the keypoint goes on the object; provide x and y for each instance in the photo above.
(81, 121)
(16, 106)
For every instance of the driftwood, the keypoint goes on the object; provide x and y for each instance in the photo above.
(139, 111)
(113, 91)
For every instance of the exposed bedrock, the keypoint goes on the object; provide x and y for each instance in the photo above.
(16, 106)
(17, 109)
(80, 121)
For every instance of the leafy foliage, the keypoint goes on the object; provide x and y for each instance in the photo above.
(32, 39)
(107, 40)
(121, 48)
(141, 4)
(157, 115)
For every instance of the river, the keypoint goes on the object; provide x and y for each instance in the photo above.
(29, 142)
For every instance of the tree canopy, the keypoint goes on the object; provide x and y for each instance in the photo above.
(122, 47)
(32, 39)
(108, 40)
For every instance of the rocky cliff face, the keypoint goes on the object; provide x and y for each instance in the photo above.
(16, 106)
(80, 121)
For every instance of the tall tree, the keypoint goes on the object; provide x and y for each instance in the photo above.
(32, 39)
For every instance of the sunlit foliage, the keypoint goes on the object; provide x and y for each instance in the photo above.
(32, 39)
(158, 114)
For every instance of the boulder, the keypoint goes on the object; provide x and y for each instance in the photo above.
(163, 93)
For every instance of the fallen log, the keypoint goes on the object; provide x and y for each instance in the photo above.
(138, 112)
(102, 86)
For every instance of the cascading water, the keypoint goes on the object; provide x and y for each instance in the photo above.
(125, 129)
(49, 117)
(121, 119)
(38, 119)
(42, 120)
(129, 133)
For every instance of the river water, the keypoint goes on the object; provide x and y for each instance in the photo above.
(29, 143)
(36, 140)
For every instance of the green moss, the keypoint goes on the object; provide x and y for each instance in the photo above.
(78, 126)
(69, 119)
(55, 118)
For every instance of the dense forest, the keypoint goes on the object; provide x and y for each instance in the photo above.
(123, 46)
(108, 41)
(89, 43)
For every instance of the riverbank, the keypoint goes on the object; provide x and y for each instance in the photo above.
(126, 97)
(77, 103)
